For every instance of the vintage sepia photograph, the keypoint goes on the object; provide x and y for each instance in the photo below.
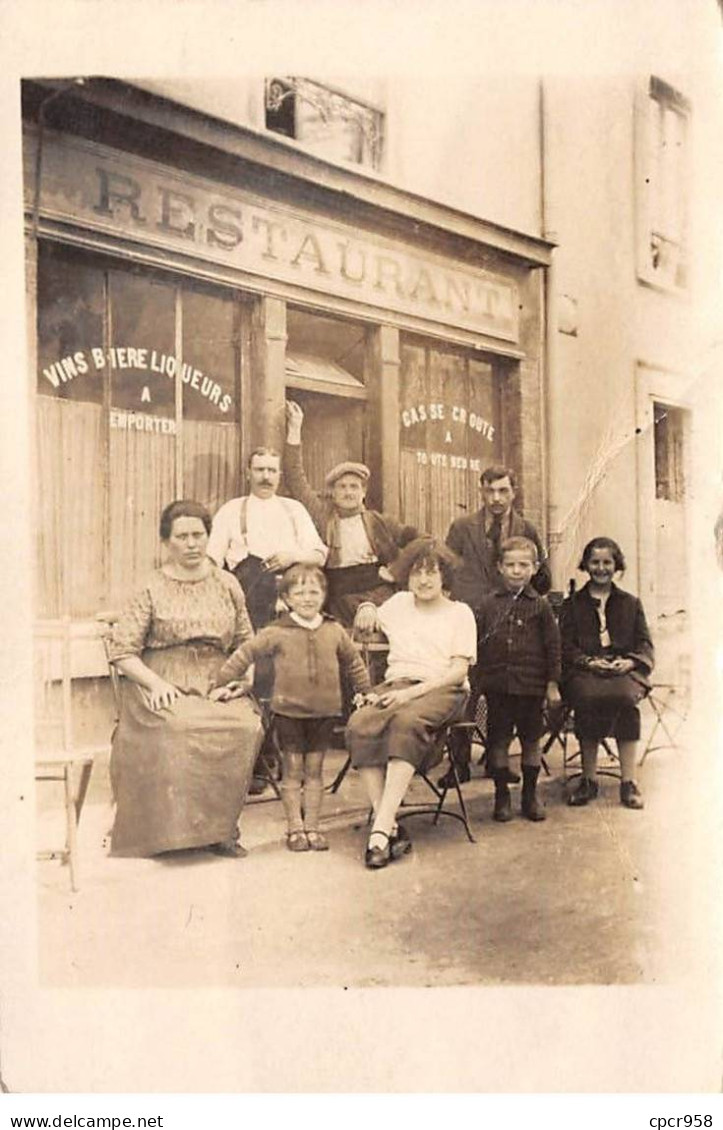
(370, 451)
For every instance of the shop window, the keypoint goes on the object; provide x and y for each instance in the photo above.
(326, 121)
(150, 412)
(663, 154)
(449, 432)
(668, 442)
(70, 324)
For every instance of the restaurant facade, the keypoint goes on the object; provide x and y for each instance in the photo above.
(437, 299)
(185, 277)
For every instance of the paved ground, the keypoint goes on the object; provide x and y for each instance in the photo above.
(594, 896)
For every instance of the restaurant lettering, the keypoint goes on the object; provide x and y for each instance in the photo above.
(139, 199)
(421, 413)
(141, 422)
(141, 360)
(294, 246)
(450, 423)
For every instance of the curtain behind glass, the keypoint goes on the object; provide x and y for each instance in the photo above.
(72, 556)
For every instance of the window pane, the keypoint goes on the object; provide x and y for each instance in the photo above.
(668, 446)
(70, 443)
(142, 368)
(142, 361)
(211, 405)
(328, 122)
(70, 327)
(210, 352)
(449, 434)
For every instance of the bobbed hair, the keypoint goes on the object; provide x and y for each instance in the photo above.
(299, 572)
(509, 545)
(182, 508)
(426, 553)
(602, 543)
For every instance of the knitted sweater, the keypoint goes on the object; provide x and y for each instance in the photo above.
(308, 665)
(518, 643)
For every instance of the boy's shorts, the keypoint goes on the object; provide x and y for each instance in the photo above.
(507, 713)
(305, 735)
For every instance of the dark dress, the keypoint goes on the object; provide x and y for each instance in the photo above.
(605, 705)
(180, 775)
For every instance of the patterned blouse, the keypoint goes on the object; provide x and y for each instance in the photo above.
(168, 612)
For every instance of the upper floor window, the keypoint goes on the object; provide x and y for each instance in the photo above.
(328, 122)
(663, 145)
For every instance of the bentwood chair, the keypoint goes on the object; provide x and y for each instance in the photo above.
(58, 757)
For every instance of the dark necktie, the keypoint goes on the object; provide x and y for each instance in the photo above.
(495, 536)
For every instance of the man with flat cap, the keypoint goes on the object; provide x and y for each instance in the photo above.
(360, 541)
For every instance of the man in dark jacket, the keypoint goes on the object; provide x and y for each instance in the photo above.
(360, 541)
(476, 539)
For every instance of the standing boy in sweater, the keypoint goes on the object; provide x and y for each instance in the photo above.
(309, 652)
(519, 664)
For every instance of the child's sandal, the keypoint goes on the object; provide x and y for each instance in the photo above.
(317, 841)
(297, 841)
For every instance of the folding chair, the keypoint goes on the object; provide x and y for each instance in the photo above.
(437, 808)
(268, 760)
(666, 699)
(58, 759)
(560, 731)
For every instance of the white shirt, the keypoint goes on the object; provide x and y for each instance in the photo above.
(273, 525)
(601, 605)
(423, 641)
(310, 625)
(354, 545)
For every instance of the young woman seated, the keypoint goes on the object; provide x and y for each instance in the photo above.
(432, 641)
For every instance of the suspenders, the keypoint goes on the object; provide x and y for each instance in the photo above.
(243, 516)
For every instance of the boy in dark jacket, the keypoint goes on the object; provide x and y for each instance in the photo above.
(519, 665)
(309, 653)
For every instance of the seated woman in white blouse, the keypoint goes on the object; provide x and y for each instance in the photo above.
(432, 641)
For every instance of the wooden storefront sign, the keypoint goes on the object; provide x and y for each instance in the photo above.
(133, 198)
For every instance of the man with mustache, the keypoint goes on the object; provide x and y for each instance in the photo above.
(260, 535)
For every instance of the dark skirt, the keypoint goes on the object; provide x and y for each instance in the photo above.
(180, 775)
(409, 731)
(605, 706)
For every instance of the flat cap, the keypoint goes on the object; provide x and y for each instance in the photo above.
(359, 469)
